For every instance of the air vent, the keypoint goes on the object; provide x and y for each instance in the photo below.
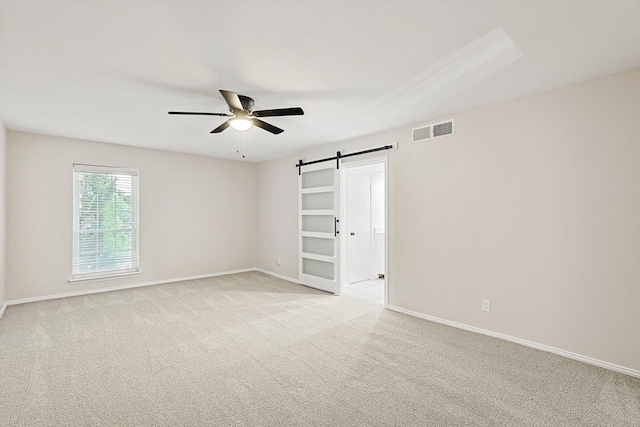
(421, 133)
(436, 130)
(443, 129)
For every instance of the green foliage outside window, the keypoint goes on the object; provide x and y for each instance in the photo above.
(104, 222)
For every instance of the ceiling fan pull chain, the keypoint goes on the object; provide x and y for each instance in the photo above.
(243, 145)
(237, 142)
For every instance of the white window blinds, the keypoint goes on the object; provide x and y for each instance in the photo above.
(105, 221)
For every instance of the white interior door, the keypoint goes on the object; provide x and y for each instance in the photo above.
(359, 226)
(319, 227)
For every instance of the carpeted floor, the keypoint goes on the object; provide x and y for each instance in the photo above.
(252, 350)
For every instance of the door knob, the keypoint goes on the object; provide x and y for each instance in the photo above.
(353, 234)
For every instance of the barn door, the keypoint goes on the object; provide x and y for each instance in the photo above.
(319, 227)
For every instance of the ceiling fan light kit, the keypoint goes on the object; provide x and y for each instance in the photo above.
(240, 124)
(243, 117)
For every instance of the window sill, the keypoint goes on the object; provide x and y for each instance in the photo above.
(105, 277)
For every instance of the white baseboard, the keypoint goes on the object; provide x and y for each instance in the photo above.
(2, 309)
(559, 352)
(279, 276)
(118, 288)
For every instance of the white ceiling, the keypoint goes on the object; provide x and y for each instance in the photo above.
(109, 71)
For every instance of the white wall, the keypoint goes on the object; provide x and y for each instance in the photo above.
(278, 220)
(197, 214)
(534, 204)
(3, 168)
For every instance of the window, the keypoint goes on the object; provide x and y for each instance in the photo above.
(105, 222)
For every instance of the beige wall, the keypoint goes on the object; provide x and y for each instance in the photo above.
(534, 204)
(197, 214)
(278, 219)
(3, 168)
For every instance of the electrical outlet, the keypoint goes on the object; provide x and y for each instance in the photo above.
(486, 305)
(278, 261)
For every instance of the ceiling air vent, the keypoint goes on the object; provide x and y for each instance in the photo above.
(436, 130)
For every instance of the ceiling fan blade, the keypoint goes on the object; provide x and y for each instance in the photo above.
(198, 114)
(266, 126)
(221, 127)
(233, 100)
(295, 111)
(247, 103)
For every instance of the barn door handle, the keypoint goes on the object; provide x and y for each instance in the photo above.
(335, 226)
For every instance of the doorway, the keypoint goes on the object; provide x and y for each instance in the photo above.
(364, 243)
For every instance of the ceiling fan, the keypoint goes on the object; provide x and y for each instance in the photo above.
(242, 116)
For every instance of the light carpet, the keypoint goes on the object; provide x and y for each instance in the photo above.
(252, 350)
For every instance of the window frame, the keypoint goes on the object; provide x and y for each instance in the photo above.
(135, 229)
